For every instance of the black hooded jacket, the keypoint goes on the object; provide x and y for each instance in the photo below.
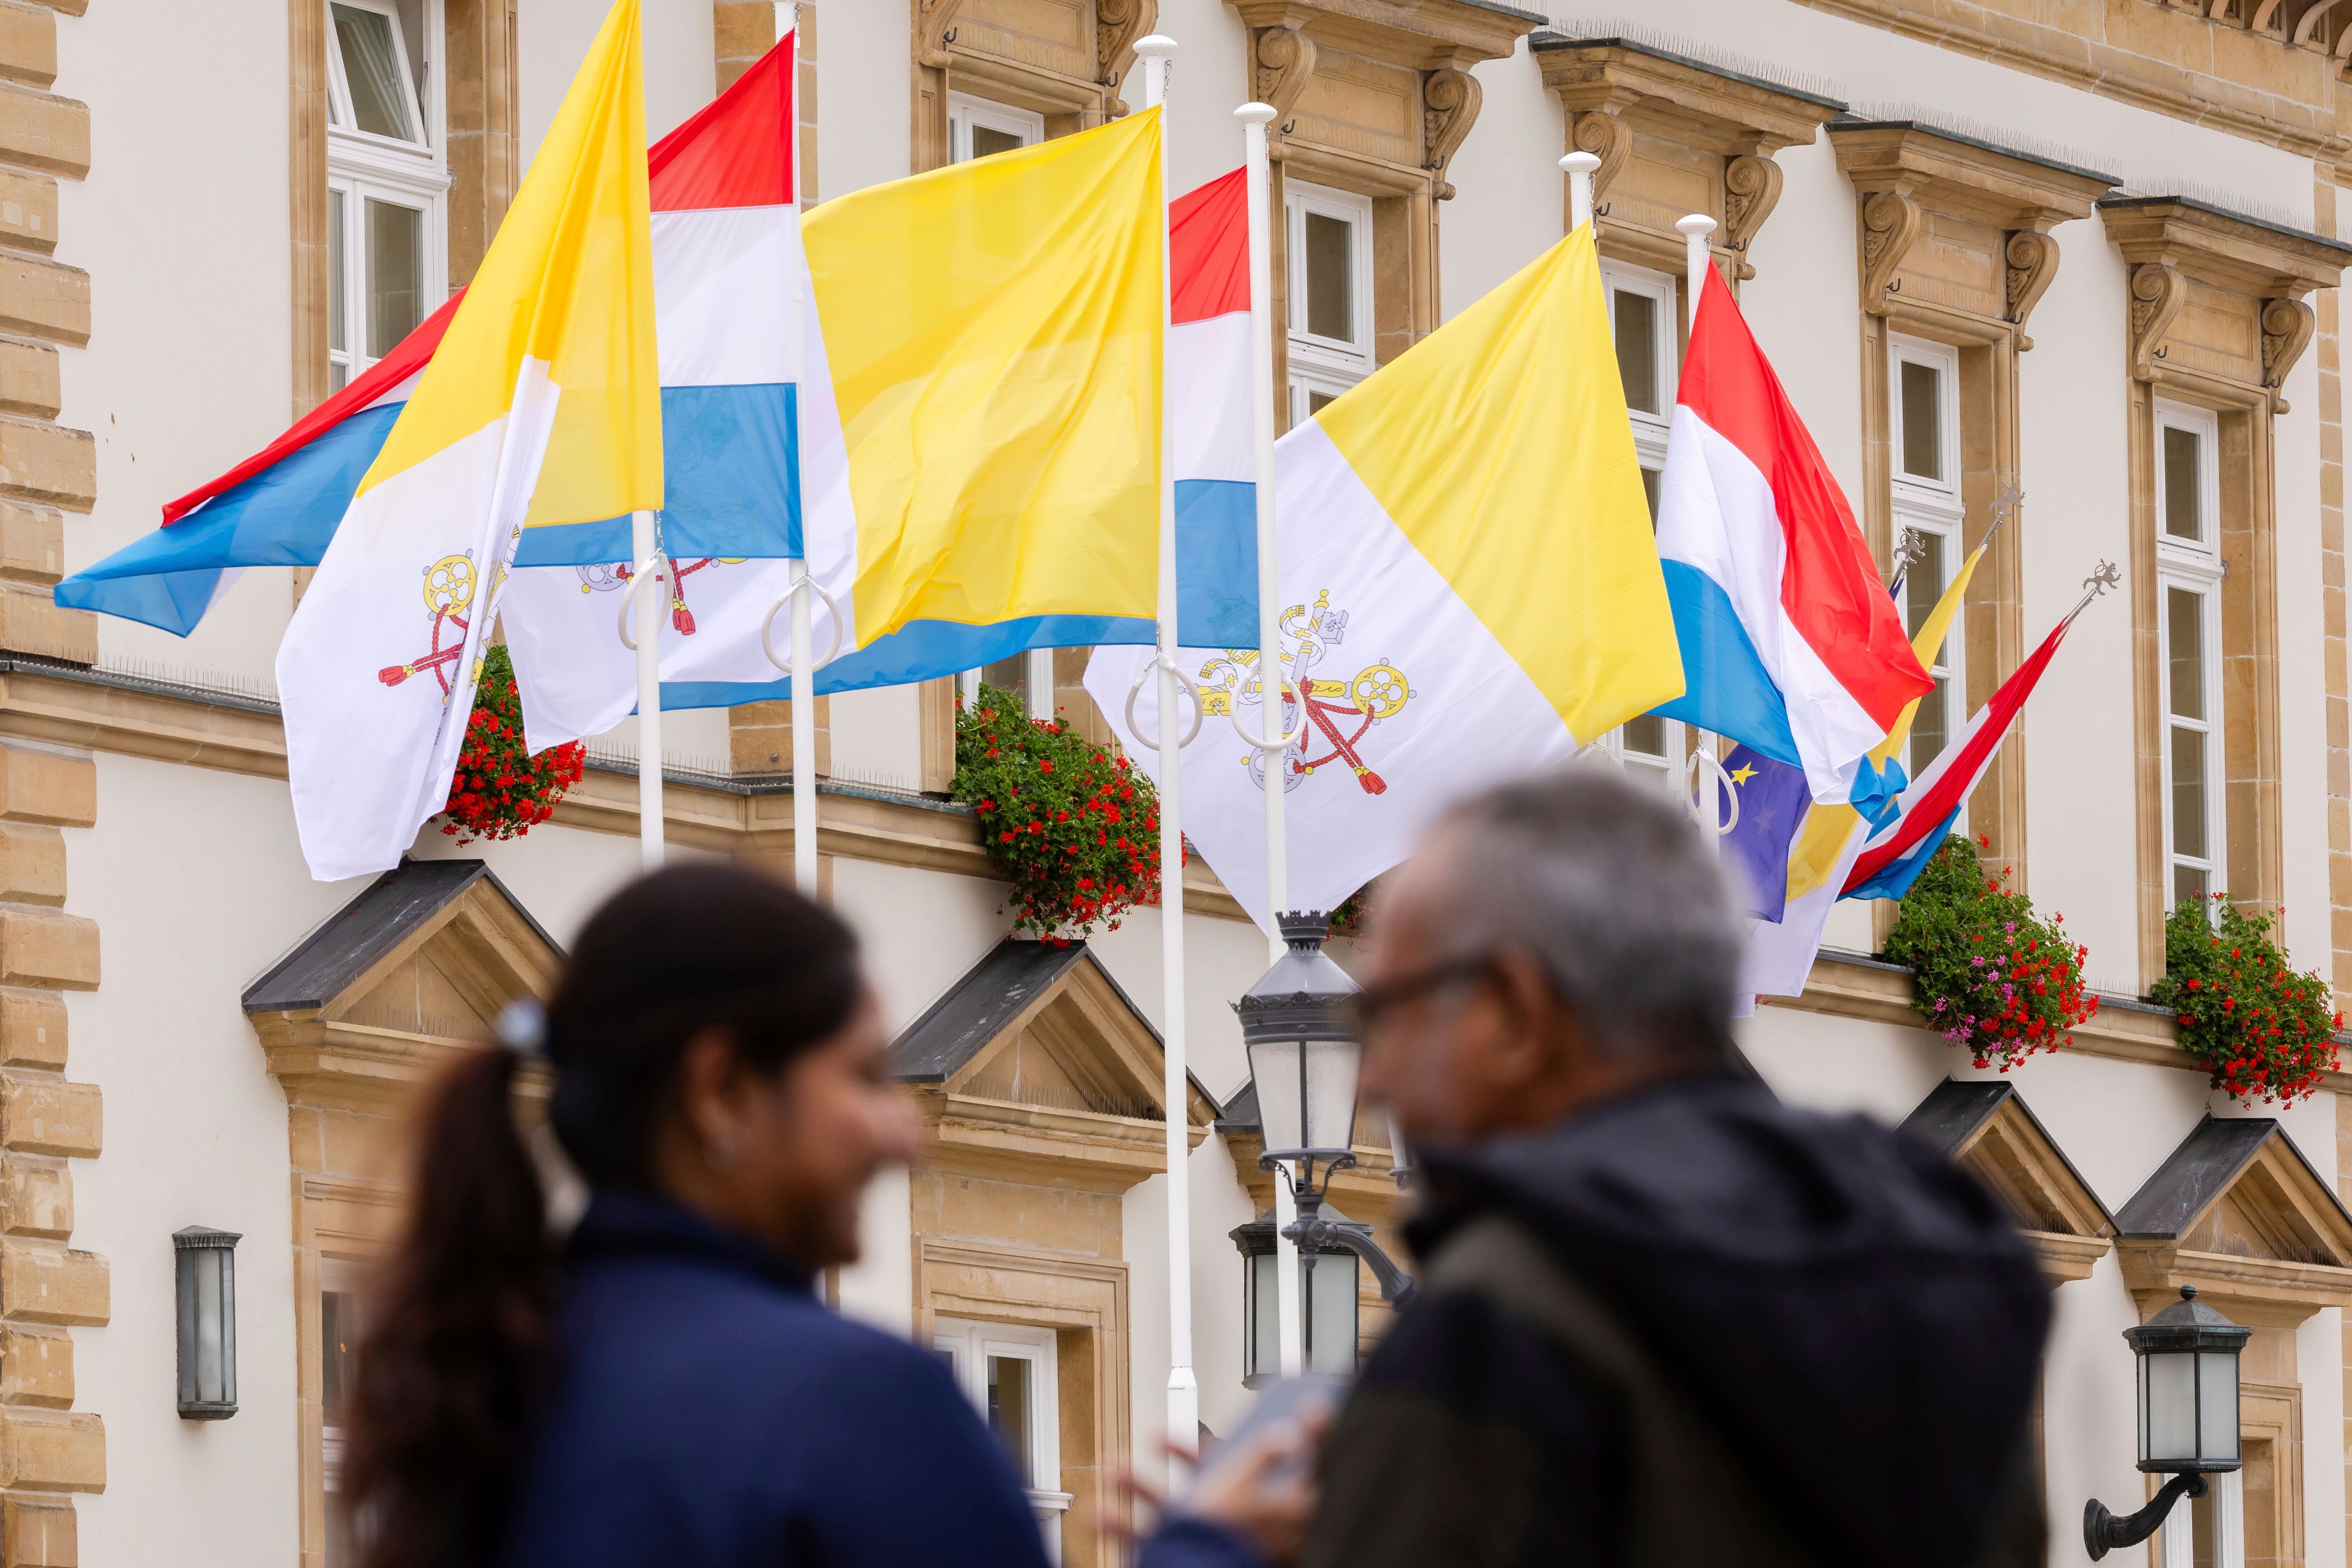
(1856, 1321)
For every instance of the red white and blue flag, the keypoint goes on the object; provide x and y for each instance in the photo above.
(1790, 645)
(1894, 856)
(726, 240)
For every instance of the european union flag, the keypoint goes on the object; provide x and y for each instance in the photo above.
(1773, 800)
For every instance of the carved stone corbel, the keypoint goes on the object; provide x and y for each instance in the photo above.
(1751, 189)
(1607, 138)
(1450, 100)
(1892, 223)
(934, 26)
(2286, 331)
(1117, 23)
(1285, 59)
(2158, 293)
(2032, 260)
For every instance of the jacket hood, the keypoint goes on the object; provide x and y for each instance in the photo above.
(1858, 1317)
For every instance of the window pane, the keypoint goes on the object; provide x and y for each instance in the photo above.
(1330, 282)
(372, 68)
(1645, 736)
(1317, 402)
(1008, 675)
(987, 140)
(2187, 882)
(395, 274)
(1923, 420)
(1930, 727)
(336, 1329)
(2184, 648)
(338, 280)
(337, 375)
(1010, 1413)
(2189, 792)
(1923, 588)
(2184, 497)
(1650, 481)
(1637, 349)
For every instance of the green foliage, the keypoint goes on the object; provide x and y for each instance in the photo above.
(1075, 830)
(2259, 1028)
(1992, 976)
(500, 790)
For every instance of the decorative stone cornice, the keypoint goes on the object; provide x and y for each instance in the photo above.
(1423, 34)
(1117, 23)
(1905, 171)
(1611, 88)
(934, 22)
(2172, 242)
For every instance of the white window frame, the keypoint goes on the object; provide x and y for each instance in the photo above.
(1671, 768)
(2196, 568)
(363, 167)
(1039, 675)
(965, 112)
(1933, 507)
(344, 1276)
(968, 1344)
(1321, 364)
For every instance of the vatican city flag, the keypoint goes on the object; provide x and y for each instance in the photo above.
(1471, 592)
(540, 407)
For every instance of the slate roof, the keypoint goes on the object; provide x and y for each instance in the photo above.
(2213, 1155)
(352, 940)
(1956, 1107)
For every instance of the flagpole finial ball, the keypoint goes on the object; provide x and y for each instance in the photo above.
(1698, 225)
(1158, 45)
(1256, 114)
(1580, 164)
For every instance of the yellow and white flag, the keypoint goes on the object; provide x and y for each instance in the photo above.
(542, 407)
(1471, 592)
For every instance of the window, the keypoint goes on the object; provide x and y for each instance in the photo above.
(1330, 237)
(1008, 1371)
(386, 179)
(338, 1328)
(977, 128)
(1924, 383)
(2188, 589)
(1029, 676)
(1642, 318)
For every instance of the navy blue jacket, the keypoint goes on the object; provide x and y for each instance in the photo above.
(707, 1409)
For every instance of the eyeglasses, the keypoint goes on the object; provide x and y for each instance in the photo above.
(1371, 1005)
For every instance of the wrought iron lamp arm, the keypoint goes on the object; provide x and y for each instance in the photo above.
(1311, 1233)
(2103, 1531)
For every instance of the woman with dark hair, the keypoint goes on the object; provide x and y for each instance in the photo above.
(662, 1386)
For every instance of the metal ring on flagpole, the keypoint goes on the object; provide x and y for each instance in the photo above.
(1287, 740)
(1730, 790)
(1159, 662)
(768, 622)
(629, 599)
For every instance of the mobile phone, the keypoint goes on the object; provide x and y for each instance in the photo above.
(1290, 1399)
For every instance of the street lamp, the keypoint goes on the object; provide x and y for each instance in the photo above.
(205, 1278)
(1328, 1303)
(1305, 1058)
(2188, 1413)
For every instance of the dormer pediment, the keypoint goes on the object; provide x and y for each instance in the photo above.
(2238, 1212)
(1036, 1065)
(417, 966)
(1986, 1129)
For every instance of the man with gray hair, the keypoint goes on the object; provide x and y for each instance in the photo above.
(1664, 1318)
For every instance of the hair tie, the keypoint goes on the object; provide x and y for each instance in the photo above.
(522, 1028)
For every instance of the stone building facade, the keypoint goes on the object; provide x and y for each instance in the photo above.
(2069, 264)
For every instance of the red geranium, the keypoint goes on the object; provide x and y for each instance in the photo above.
(500, 790)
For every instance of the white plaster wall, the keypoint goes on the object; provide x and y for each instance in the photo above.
(877, 736)
(681, 73)
(862, 85)
(198, 886)
(1211, 80)
(182, 226)
(1510, 209)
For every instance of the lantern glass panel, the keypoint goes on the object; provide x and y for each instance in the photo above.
(1281, 1105)
(1332, 1070)
(2167, 1406)
(2218, 1405)
(1265, 1316)
(1331, 1314)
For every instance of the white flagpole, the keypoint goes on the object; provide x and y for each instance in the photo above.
(803, 677)
(1157, 52)
(652, 595)
(1289, 1310)
(1579, 167)
(1696, 259)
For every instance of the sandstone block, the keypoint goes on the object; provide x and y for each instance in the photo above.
(33, 622)
(37, 1366)
(45, 462)
(43, 130)
(32, 1028)
(47, 786)
(29, 209)
(28, 44)
(28, 379)
(42, 1282)
(32, 538)
(32, 863)
(36, 1195)
(38, 1531)
(47, 947)
(51, 1450)
(44, 299)
(40, 1115)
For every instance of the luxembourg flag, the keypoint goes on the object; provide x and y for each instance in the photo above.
(542, 407)
(1789, 644)
(726, 228)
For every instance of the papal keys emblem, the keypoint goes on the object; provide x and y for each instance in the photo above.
(1342, 712)
(604, 579)
(449, 584)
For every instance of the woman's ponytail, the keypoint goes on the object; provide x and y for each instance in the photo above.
(452, 1355)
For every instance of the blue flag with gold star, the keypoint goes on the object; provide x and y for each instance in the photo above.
(1773, 800)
